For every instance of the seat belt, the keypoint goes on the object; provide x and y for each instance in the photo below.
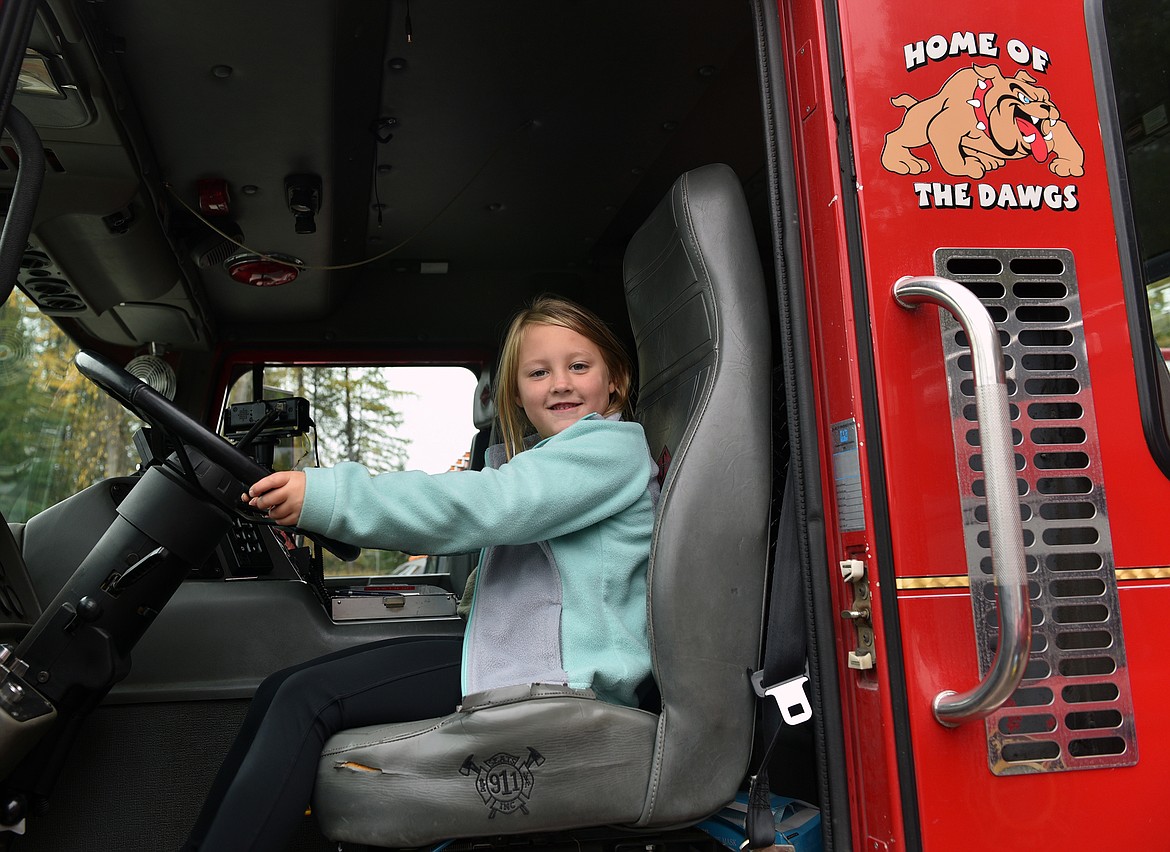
(783, 676)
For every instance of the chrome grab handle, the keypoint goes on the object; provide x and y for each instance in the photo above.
(1003, 509)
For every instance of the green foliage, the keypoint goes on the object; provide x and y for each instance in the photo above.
(58, 432)
(1159, 312)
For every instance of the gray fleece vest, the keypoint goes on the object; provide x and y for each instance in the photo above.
(514, 635)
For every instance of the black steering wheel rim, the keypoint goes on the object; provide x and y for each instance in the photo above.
(143, 401)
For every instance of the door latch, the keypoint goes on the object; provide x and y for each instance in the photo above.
(859, 613)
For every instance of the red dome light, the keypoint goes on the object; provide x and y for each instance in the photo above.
(259, 271)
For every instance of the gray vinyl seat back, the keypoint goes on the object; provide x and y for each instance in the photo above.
(546, 757)
(698, 310)
(483, 416)
(459, 566)
(59, 539)
(19, 605)
(42, 554)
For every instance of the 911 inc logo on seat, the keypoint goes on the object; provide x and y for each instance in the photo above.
(504, 781)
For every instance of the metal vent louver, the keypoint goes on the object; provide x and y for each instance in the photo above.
(1073, 709)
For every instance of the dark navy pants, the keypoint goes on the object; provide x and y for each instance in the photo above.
(266, 780)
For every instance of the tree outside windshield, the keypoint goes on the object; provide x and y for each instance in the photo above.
(58, 432)
(385, 418)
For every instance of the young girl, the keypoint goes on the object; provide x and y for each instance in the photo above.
(565, 510)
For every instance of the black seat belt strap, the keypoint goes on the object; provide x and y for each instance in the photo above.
(783, 676)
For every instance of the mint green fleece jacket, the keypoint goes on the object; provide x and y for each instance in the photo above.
(561, 588)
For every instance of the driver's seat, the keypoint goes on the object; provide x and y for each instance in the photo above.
(19, 606)
(545, 757)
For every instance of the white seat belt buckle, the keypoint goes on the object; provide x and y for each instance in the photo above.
(790, 697)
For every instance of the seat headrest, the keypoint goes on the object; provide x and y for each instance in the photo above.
(483, 407)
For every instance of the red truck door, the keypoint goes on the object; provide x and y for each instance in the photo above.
(1002, 154)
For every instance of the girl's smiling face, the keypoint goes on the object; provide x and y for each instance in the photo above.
(561, 378)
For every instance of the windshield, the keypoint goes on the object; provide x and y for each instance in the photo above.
(60, 434)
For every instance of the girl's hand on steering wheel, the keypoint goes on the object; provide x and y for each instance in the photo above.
(280, 496)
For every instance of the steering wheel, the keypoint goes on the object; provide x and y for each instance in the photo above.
(148, 404)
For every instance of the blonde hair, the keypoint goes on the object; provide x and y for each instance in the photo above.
(553, 310)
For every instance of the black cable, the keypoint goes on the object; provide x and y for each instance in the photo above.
(251, 434)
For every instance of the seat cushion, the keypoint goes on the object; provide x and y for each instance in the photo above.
(517, 759)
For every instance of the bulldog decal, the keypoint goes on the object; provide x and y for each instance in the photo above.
(978, 121)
